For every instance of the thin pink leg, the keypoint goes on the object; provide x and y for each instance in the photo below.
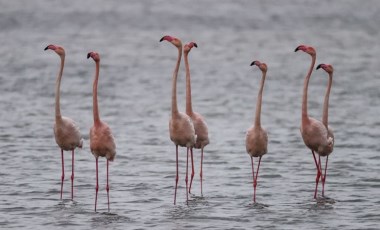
(72, 177)
(187, 167)
(97, 184)
(192, 169)
(318, 175)
(253, 178)
(201, 173)
(108, 189)
(176, 178)
(255, 181)
(324, 177)
(63, 172)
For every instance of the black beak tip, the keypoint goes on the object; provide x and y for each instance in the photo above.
(296, 49)
(88, 55)
(162, 39)
(46, 47)
(253, 63)
(319, 66)
(195, 44)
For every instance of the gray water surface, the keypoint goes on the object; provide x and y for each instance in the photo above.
(134, 99)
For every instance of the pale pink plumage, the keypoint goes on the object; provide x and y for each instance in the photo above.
(181, 127)
(257, 138)
(66, 132)
(200, 126)
(102, 143)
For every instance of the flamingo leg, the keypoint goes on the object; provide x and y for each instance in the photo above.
(317, 165)
(253, 176)
(72, 176)
(108, 188)
(192, 169)
(201, 173)
(324, 177)
(97, 183)
(63, 172)
(176, 178)
(186, 179)
(255, 181)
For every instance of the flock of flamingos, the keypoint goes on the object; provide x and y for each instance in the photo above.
(190, 129)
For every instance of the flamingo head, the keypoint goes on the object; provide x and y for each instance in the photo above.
(189, 46)
(262, 66)
(175, 41)
(307, 49)
(326, 67)
(58, 49)
(94, 55)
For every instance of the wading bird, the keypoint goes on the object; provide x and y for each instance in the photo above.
(257, 138)
(314, 132)
(200, 125)
(66, 131)
(102, 143)
(181, 127)
(330, 70)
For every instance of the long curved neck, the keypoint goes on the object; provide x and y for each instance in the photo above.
(57, 89)
(189, 107)
(174, 83)
(305, 116)
(259, 101)
(325, 116)
(95, 95)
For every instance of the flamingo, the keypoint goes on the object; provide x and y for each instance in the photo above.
(257, 138)
(102, 142)
(200, 125)
(181, 127)
(314, 133)
(330, 70)
(66, 131)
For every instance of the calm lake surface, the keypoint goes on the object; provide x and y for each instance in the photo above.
(134, 99)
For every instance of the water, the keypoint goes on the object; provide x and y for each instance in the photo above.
(134, 99)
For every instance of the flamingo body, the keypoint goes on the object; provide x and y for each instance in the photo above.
(67, 134)
(102, 143)
(201, 130)
(256, 141)
(314, 135)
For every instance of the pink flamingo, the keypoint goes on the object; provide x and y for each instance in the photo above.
(102, 142)
(66, 131)
(200, 125)
(330, 70)
(257, 138)
(314, 133)
(181, 127)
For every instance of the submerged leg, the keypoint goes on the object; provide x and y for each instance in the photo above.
(186, 179)
(324, 177)
(63, 172)
(72, 177)
(97, 183)
(201, 173)
(192, 169)
(176, 178)
(108, 188)
(318, 175)
(255, 181)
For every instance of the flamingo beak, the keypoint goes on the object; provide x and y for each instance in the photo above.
(88, 55)
(319, 66)
(253, 63)
(298, 48)
(195, 44)
(167, 38)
